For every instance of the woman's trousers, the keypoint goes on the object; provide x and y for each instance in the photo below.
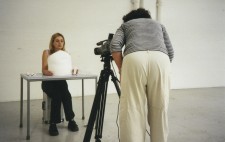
(59, 94)
(145, 85)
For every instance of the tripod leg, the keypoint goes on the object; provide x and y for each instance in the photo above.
(115, 81)
(95, 108)
(98, 107)
(100, 116)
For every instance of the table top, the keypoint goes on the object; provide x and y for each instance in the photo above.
(41, 77)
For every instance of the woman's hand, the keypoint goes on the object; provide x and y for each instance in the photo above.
(48, 73)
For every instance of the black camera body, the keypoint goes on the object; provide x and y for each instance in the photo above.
(104, 48)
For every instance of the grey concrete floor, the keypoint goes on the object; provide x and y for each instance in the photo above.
(195, 115)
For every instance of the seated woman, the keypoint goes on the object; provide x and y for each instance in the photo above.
(57, 90)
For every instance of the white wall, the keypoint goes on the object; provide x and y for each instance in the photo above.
(197, 32)
(196, 29)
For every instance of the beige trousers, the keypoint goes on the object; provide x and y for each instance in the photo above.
(145, 80)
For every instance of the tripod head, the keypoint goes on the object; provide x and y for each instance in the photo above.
(107, 59)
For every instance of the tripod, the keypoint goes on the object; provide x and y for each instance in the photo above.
(98, 107)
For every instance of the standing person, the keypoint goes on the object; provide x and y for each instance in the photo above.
(144, 67)
(57, 90)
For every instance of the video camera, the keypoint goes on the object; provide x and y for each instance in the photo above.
(104, 49)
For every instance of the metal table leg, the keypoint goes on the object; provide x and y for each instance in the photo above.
(28, 110)
(21, 102)
(83, 99)
(96, 81)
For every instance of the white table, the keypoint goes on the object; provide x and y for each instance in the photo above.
(39, 77)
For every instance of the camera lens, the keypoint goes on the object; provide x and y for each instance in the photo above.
(97, 51)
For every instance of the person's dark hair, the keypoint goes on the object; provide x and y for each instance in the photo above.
(135, 14)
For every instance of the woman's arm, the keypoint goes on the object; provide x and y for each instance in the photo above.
(168, 44)
(45, 70)
(118, 58)
(116, 46)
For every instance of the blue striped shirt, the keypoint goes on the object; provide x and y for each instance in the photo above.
(140, 35)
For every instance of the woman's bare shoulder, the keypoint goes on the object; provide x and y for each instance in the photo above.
(46, 52)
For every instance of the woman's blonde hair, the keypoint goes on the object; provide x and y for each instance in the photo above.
(54, 36)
